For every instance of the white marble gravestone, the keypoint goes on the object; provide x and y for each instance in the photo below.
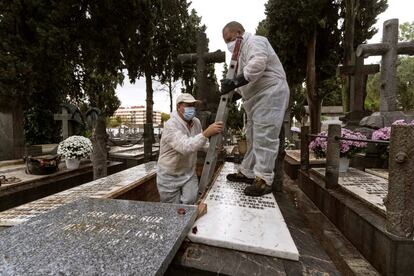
(236, 221)
(369, 188)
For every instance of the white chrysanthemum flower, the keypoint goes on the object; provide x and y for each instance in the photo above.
(75, 147)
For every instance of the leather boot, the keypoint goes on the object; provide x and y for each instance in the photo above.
(258, 188)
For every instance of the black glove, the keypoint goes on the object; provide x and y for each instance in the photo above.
(236, 96)
(228, 85)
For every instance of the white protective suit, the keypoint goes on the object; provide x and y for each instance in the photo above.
(176, 177)
(266, 98)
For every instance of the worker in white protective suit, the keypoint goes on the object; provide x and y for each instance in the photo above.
(181, 139)
(261, 81)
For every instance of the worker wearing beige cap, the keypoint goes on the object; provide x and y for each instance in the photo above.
(181, 139)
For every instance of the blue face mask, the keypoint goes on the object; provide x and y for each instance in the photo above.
(189, 113)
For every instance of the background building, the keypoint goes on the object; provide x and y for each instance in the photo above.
(134, 116)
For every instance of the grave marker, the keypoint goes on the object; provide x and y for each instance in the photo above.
(95, 237)
(205, 93)
(358, 74)
(64, 117)
(369, 188)
(389, 49)
(240, 222)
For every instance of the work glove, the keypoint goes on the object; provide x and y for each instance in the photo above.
(228, 85)
(236, 97)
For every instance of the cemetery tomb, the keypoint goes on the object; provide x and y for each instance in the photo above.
(378, 172)
(95, 237)
(111, 186)
(131, 156)
(292, 162)
(370, 188)
(31, 187)
(237, 221)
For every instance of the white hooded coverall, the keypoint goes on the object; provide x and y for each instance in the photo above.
(266, 99)
(176, 177)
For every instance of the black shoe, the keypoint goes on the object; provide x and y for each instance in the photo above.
(239, 177)
(259, 188)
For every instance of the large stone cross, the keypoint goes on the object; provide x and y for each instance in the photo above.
(64, 117)
(389, 49)
(358, 80)
(201, 58)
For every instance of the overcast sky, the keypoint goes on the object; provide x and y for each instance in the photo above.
(216, 13)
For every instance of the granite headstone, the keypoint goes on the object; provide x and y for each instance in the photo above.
(97, 237)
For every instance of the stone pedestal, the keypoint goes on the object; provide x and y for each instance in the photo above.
(383, 119)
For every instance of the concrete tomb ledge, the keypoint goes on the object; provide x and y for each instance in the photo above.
(362, 224)
(291, 163)
(118, 185)
(32, 187)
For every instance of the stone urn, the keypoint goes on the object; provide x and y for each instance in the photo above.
(72, 163)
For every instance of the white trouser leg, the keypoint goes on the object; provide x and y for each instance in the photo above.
(189, 190)
(168, 193)
(177, 189)
(246, 167)
(267, 110)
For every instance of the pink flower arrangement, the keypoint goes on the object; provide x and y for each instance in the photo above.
(347, 148)
(382, 134)
(385, 132)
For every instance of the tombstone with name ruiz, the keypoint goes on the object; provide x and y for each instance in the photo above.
(96, 237)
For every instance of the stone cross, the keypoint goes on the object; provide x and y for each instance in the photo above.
(64, 117)
(358, 74)
(389, 49)
(202, 58)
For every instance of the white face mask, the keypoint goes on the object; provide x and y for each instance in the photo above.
(231, 45)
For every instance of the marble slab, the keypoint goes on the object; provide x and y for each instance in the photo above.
(369, 188)
(236, 221)
(134, 151)
(378, 172)
(100, 188)
(97, 237)
(295, 155)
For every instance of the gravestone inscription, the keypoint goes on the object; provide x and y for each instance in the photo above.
(241, 222)
(97, 237)
(367, 187)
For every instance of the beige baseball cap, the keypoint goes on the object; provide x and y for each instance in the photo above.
(186, 98)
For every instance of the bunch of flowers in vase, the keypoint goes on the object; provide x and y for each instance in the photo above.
(347, 148)
(73, 149)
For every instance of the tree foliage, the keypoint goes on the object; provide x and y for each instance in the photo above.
(289, 26)
(36, 54)
(366, 15)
